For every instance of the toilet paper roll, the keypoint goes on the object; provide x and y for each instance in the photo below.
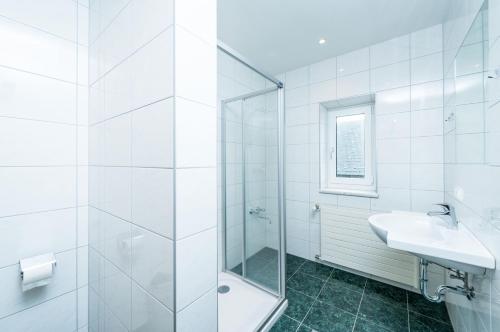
(37, 271)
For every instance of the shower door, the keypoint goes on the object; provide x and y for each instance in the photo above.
(251, 139)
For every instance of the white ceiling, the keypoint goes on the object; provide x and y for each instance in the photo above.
(278, 35)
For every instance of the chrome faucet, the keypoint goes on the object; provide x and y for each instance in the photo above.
(448, 211)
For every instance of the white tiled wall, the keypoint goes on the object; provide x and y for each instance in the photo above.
(152, 176)
(43, 161)
(405, 74)
(471, 179)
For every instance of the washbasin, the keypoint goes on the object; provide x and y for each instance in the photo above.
(431, 238)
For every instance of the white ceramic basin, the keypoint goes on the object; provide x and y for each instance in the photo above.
(431, 238)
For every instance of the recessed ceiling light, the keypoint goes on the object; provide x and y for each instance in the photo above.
(321, 41)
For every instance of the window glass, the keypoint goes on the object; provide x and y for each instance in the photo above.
(350, 146)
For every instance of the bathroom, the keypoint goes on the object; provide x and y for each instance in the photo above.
(203, 165)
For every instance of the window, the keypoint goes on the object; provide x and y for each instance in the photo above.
(347, 150)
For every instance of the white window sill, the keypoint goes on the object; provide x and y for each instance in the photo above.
(347, 192)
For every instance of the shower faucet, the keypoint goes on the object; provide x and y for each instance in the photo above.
(257, 211)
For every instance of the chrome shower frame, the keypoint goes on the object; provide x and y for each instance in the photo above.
(279, 88)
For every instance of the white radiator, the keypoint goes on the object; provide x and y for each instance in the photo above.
(347, 240)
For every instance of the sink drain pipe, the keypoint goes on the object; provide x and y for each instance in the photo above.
(441, 290)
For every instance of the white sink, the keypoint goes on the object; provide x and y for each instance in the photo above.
(430, 238)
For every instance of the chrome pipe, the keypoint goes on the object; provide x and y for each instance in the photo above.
(440, 292)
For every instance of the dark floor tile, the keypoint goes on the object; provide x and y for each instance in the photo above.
(316, 269)
(386, 293)
(340, 297)
(419, 323)
(298, 304)
(326, 318)
(285, 324)
(348, 280)
(391, 317)
(255, 263)
(306, 284)
(268, 253)
(304, 328)
(292, 264)
(417, 303)
(367, 326)
(263, 278)
(238, 269)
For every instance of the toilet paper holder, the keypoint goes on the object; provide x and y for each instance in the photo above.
(37, 271)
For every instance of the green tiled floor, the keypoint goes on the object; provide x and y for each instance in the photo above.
(324, 299)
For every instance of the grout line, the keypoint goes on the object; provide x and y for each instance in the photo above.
(106, 72)
(359, 306)
(39, 304)
(315, 300)
(296, 270)
(408, 310)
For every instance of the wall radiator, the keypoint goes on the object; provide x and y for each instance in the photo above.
(347, 240)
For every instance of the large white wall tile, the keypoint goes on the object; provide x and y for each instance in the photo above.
(36, 143)
(427, 177)
(152, 135)
(195, 187)
(196, 266)
(320, 92)
(427, 95)
(392, 101)
(200, 315)
(148, 314)
(117, 297)
(45, 232)
(83, 306)
(297, 78)
(196, 134)
(353, 62)
(41, 318)
(30, 189)
(199, 17)
(353, 85)
(38, 52)
(427, 41)
(395, 176)
(153, 199)
(300, 96)
(152, 264)
(393, 150)
(427, 149)
(82, 266)
(117, 192)
(389, 52)
(195, 63)
(323, 71)
(427, 68)
(391, 76)
(427, 122)
(36, 97)
(393, 125)
(58, 17)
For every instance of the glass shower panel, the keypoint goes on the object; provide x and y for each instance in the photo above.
(233, 179)
(260, 172)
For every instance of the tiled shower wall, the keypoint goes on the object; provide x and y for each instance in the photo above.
(43, 161)
(153, 212)
(471, 173)
(405, 74)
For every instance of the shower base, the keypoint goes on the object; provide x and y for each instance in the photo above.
(244, 307)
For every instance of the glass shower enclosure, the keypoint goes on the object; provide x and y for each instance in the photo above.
(253, 241)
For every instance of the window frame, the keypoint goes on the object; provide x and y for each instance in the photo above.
(330, 182)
